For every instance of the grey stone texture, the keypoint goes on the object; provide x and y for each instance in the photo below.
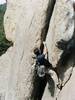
(23, 22)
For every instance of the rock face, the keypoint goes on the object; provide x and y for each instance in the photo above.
(61, 27)
(69, 89)
(24, 23)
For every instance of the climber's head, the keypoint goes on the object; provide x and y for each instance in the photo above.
(36, 51)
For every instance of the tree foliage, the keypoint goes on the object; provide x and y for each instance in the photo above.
(4, 43)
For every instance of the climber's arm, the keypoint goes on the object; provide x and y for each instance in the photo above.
(45, 49)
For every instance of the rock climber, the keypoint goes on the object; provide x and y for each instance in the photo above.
(42, 63)
(43, 66)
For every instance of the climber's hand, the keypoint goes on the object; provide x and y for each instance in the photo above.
(45, 49)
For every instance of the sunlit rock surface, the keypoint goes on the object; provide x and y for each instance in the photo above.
(24, 21)
(61, 27)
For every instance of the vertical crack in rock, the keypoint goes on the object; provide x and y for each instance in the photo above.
(62, 69)
(65, 82)
(4, 43)
(70, 63)
(47, 20)
(39, 84)
(68, 78)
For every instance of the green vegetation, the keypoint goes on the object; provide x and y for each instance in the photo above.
(4, 43)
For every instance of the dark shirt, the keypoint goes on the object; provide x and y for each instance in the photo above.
(42, 61)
